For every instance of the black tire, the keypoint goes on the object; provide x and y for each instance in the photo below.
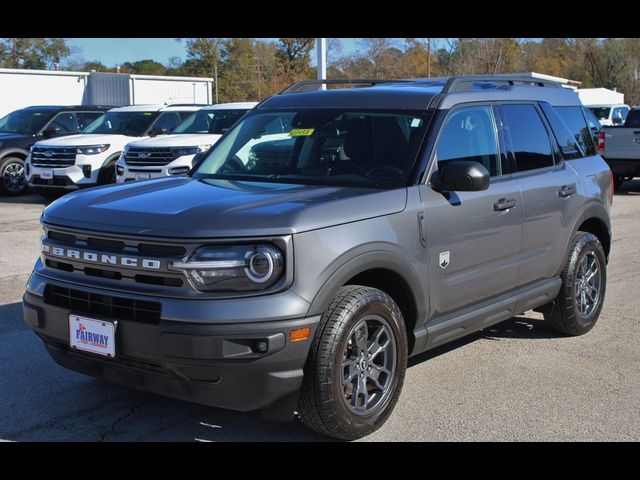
(322, 405)
(617, 181)
(49, 193)
(12, 181)
(563, 314)
(107, 174)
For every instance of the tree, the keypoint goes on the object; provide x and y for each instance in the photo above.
(237, 72)
(293, 56)
(32, 53)
(95, 65)
(144, 67)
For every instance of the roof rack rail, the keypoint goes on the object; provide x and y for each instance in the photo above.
(465, 83)
(307, 85)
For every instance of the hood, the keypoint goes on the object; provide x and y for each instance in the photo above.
(116, 141)
(189, 208)
(178, 140)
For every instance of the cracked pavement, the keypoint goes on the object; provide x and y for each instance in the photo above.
(514, 381)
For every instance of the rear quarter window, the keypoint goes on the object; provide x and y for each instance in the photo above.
(528, 137)
(576, 122)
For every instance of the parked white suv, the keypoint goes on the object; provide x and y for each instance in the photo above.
(88, 159)
(174, 154)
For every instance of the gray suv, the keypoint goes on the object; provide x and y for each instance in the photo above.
(367, 225)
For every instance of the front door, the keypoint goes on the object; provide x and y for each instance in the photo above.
(473, 238)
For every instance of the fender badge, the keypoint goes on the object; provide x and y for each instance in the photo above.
(444, 260)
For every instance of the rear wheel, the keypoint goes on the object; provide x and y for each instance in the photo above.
(356, 366)
(12, 181)
(584, 280)
(617, 181)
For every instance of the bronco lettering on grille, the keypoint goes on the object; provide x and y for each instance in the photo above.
(102, 258)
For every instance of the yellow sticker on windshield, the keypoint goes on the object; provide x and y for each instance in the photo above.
(300, 132)
(148, 113)
(36, 114)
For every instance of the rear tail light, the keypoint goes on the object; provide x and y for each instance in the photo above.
(601, 143)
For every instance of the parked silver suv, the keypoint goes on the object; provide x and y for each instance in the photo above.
(391, 219)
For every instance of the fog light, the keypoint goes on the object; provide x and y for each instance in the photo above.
(86, 171)
(179, 170)
(261, 346)
(119, 170)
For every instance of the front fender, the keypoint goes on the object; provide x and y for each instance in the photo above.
(372, 259)
(14, 151)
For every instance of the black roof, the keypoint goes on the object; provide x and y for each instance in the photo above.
(392, 95)
(420, 94)
(84, 108)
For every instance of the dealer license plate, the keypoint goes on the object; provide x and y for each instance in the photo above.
(90, 335)
(143, 176)
(46, 174)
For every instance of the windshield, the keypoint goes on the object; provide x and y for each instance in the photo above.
(132, 124)
(210, 121)
(602, 113)
(321, 146)
(25, 121)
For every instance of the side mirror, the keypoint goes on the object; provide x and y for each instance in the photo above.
(461, 176)
(51, 132)
(154, 132)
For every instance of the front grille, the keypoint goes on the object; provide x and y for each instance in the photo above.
(53, 157)
(115, 247)
(118, 245)
(153, 157)
(103, 305)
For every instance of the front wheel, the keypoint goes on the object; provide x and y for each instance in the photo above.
(356, 365)
(12, 181)
(584, 280)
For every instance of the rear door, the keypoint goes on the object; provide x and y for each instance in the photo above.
(549, 189)
(473, 238)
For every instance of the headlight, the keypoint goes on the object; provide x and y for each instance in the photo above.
(92, 149)
(238, 268)
(183, 151)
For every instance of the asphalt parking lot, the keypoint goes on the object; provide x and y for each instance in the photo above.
(515, 381)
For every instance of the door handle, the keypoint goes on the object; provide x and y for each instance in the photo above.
(566, 190)
(504, 204)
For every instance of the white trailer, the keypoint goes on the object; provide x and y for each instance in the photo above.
(127, 89)
(600, 96)
(22, 88)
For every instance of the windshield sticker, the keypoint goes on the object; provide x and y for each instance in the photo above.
(148, 113)
(415, 122)
(36, 114)
(301, 132)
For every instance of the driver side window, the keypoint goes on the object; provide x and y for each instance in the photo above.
(469, 134)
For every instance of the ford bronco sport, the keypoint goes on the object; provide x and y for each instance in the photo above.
(396, 217)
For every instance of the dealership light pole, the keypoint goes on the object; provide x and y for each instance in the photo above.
(321, 50)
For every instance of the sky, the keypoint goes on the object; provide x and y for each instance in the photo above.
(115, 51)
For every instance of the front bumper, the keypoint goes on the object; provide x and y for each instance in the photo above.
(68, 178)
(131, 173)
(216, 364)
